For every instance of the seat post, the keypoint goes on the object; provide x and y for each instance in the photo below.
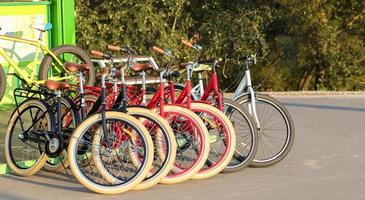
(58, 94)
(82, 96)
(144, 98)
(40, 38)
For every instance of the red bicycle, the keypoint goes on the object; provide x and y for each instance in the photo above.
(190, 132)
(242, 121)
(221, 131)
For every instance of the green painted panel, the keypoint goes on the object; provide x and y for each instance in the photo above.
(64, 21)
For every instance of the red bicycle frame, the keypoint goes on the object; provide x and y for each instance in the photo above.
(213, 87)
(186, 93)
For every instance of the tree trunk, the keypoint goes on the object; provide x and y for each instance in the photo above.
(304, 83)
(320, 73)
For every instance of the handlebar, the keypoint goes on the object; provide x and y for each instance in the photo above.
(158, 50)
(187, 43)
(123, 49)
(191, 45)
(101, 54)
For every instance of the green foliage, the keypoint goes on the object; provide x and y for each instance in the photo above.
(312, 44)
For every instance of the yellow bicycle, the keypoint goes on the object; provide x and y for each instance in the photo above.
(51, 66)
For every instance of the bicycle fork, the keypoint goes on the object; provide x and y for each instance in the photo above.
(246, 82)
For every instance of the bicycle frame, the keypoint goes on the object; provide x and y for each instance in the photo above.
(212, 86)
(39, 48)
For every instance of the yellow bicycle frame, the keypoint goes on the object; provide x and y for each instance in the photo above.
(30, 79)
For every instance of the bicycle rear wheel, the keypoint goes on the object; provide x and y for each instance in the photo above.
(70, 119)
(276, 135)
(2, 83)
(49, 67)
(25, 139)
(101, 162)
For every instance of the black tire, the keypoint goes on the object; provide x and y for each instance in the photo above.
(285, 121)
(30, 118)
(82, 57)
(246, 136)
(2, 83)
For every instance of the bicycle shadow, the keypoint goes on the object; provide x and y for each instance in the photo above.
(52, 180)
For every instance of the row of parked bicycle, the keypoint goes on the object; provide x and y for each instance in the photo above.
(122, 134)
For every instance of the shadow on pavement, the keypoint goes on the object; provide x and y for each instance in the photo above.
(43, 179)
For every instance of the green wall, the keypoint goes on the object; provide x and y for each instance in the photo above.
(58, 12)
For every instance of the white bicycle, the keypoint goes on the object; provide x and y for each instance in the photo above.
(274, 124)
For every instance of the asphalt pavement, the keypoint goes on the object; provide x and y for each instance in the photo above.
(327, 162)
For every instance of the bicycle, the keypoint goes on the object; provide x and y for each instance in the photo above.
(221, 132)
(159, 129)
(51, 66)
(256, 103)
(44, 137)
(191, 134)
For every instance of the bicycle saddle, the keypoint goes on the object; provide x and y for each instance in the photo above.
(137, 67)
(54, 85)
(73, 67)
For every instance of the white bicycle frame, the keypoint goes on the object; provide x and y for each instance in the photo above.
(245, 87)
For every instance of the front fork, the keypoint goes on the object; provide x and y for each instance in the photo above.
(252, 107)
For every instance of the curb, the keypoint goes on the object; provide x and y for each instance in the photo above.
(312, 94)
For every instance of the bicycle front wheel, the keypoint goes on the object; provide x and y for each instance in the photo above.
(222, 139)
(100, 159)
(164, 146)
(192, 142)
(246, 136)
(276, 134)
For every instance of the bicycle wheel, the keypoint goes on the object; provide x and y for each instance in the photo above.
(246, 136)
(164, 146)
(192, 140)
(25, 139)
(222, 139)
(276, 135)
(70, 120)
(66, 53)
(2, 83)
(164, 143)
(101, 162)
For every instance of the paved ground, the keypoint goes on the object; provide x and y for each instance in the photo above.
(326, 162)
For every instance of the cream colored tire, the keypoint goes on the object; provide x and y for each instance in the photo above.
(116, 186)
(204, 143)
(159, 148)
(43, 157)
(203, 174)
